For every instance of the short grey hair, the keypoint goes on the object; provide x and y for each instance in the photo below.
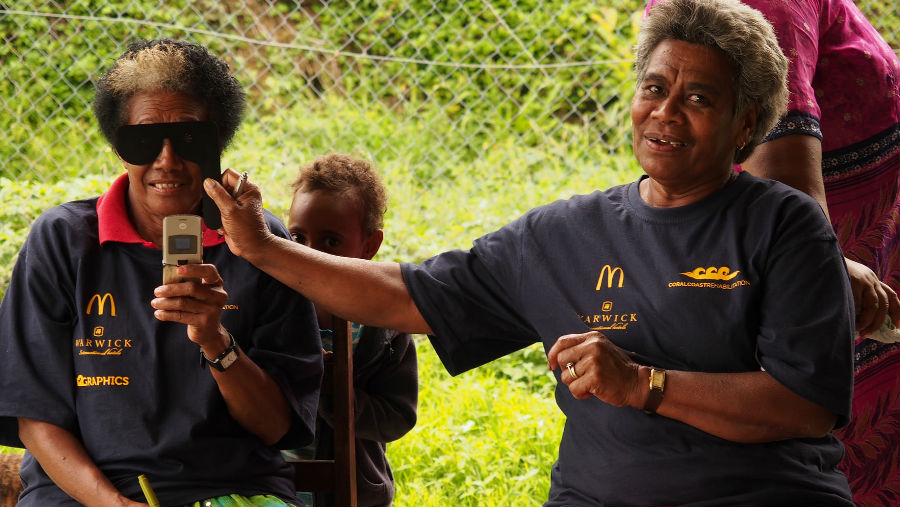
(746, 39)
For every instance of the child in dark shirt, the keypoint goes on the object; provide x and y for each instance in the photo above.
(338, 208)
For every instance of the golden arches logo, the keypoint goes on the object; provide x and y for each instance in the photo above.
(712, 273)
(610, 273)
(101, 303)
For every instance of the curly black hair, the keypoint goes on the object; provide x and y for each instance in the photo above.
(355, 178)
(175, 66)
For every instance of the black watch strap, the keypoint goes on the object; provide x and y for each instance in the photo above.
(224, 360)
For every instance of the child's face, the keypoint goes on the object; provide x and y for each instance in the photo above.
(331, 223)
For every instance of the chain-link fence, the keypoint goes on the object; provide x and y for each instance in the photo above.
(425, 88)
(462, 74)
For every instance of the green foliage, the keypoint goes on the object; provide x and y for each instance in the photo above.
(479, 35)
(480, 439)
(23, 201)
(50, 64)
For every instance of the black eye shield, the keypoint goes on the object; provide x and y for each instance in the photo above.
(197, 141)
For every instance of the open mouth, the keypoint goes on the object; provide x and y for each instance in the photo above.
(165, 186)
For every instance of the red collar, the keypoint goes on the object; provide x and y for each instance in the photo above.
(114, 225)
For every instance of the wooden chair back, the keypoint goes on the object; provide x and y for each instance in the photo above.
(10, 483)
(337, 475)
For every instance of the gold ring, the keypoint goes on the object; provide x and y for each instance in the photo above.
(571, 368)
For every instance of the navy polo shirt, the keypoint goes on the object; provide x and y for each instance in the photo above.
(81, 349)
(751, 277)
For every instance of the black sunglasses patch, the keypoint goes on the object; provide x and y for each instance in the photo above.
(196, 141)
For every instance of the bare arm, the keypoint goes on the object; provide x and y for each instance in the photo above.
(253, 398)
(368, 292)
(742, 407)
(796, 160)
(66, 462)
(747, 407)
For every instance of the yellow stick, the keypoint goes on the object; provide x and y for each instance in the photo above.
(148, 491)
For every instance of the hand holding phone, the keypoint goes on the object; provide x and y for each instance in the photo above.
(182, 244)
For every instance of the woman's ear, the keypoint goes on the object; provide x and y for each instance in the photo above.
(747, 125)
(372, 244)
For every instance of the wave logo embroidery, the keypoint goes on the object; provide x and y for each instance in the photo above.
(712, 273)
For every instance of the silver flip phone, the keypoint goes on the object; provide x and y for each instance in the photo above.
(182, 244)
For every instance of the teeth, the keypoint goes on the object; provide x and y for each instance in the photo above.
(166, 185)
(670, 143)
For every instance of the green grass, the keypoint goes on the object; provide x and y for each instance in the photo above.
(482, 438)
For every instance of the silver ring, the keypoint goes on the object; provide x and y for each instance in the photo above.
(571, 368)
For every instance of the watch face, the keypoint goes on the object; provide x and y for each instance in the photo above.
(229, 359)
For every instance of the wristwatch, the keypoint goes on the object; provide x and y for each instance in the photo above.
(657, 389)
(226, 358)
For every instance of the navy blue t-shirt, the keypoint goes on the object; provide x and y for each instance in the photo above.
(81, 349)
(751, 277)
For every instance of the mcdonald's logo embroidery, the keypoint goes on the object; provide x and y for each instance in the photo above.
(610, 273)
(101, 304)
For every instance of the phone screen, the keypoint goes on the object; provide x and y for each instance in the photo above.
(183, 244)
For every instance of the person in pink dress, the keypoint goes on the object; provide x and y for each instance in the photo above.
(840, 143)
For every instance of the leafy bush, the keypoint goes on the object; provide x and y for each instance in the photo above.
(23, 201)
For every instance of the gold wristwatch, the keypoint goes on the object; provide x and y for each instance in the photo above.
(657, 390)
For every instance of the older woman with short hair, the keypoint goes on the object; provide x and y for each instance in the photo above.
(840, 143)
(699, 321)
(106, 374)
